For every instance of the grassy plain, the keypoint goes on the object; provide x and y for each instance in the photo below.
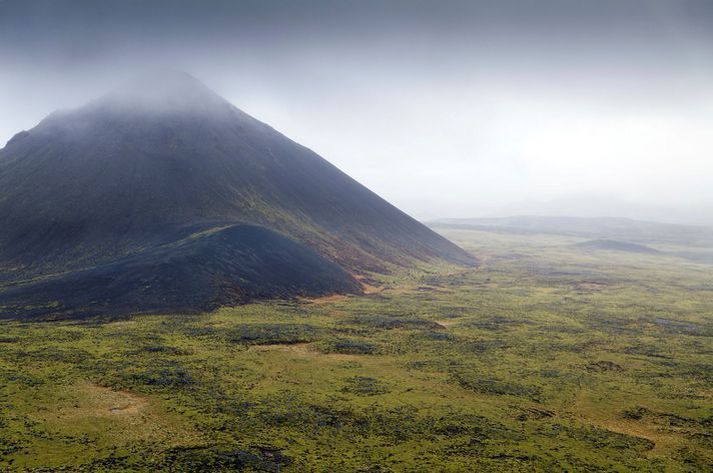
(547, 358)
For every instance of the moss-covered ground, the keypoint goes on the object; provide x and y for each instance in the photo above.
(546, 358)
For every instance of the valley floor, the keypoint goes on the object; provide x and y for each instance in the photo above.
(547, 358)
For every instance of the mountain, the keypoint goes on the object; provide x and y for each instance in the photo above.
(162, 196)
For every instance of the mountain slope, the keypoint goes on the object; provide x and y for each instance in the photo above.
(164, 157)
(203, 272)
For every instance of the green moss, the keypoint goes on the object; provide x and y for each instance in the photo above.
(545, 359)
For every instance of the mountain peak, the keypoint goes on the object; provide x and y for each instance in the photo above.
(165, 90)
(162, 196)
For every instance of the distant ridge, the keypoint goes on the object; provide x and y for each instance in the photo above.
(162, 196)
(595, 228)
(614, 245)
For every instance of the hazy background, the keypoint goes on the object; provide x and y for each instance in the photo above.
(445, 108)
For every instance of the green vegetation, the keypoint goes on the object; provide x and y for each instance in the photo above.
(547, 358)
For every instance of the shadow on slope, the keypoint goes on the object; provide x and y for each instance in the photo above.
(215, 267)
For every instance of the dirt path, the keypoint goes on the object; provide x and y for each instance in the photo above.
(447, 322)
(583, 411)
(102, 401)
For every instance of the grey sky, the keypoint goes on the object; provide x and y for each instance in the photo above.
(445, 108)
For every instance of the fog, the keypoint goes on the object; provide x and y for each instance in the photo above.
(444, 108)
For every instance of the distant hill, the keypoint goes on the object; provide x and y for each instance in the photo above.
(162, 196)
(623, 229)
(613, 245)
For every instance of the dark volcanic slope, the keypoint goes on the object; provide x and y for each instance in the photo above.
(163, 158)
(225, 266)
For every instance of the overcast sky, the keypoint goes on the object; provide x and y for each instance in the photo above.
(445, 108)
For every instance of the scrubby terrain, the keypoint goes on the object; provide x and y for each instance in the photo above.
(547, 358)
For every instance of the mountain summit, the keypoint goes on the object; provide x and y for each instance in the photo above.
(162, 196)
(167, 92)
